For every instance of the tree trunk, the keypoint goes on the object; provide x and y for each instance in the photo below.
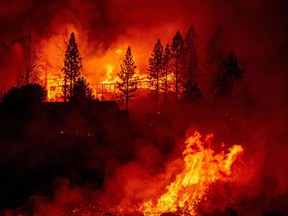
(27, 77)
(157, 90)
(127, 93)
(65, 90)
(166, 87)
(176, 78)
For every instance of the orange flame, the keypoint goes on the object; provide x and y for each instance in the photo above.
(202, 168)
(100, 66)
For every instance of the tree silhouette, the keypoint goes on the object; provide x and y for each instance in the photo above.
(26, 95)
(166, 69)
(178, 54)
(230, 75)
(192, 91)
(62, 43)
(81, 90)
(72, 67)
(128, 84)
(215, 51)
(190, 87)
(155, 68)
(31, 64)
(191, 54)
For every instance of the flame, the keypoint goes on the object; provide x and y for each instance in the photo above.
(202, 167)
(119, 52)
(100, 72)
(100, 67)
(109, 71)
(96, 54)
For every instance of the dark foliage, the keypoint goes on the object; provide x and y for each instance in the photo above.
(72, 67)
(215, 51)
(191, 55)
(60, 140)
(81, 90)
(31, 64)
(155, 68)
(26, 95)
(128, 84)
(178, 59)
(230, 76)
(166, 69)
(192, 92)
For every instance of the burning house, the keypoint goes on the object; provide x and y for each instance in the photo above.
(90, 157)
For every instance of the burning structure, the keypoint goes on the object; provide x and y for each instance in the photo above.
(91, 158)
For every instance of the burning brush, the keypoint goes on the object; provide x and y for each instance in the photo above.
(202, 168)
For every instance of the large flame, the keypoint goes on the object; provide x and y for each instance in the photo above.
(100, 66)
(202, 168)
(100, 72)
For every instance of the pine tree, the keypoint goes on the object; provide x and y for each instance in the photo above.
(128, 84)
(72, 67)
(190, 88)
(215, 51)
(155, 68)
(81, 90)
(178, 54)
(191, 54)
(166, 69)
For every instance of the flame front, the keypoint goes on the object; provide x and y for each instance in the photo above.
(202, 167)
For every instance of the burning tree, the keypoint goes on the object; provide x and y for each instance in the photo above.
(31, 64)
(155, 68)
(72, 67)
(178, 54)
(128, 84)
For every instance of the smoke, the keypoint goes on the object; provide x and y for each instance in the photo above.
(117, 171)
(255, 31)
(129, 170)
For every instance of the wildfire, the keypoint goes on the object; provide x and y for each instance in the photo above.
(100, 71)
(202, 167)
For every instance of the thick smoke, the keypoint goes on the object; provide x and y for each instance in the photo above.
(256, 31)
